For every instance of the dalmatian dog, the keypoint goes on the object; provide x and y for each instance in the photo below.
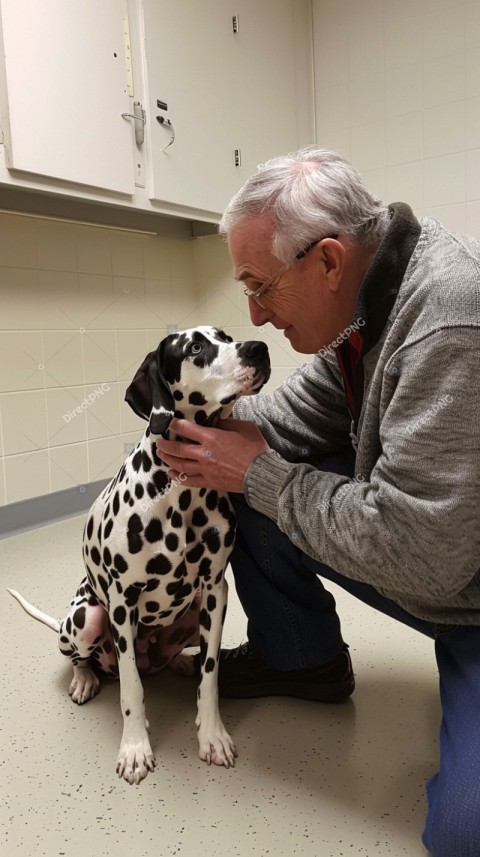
(155, 551)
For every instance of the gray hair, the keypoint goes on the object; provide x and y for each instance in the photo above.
(309, 194)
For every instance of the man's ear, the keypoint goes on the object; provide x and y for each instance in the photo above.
(149, 394)
(331, 255)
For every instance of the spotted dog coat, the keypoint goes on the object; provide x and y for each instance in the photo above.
(155, 551)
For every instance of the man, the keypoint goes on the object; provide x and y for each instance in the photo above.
(391, 307)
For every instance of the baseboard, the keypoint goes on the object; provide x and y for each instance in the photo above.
(48, 508)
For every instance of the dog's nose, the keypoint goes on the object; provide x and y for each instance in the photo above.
(253, 349)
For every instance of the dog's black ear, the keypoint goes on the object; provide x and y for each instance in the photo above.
(149, 394)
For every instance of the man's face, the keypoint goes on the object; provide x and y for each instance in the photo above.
(304, 301)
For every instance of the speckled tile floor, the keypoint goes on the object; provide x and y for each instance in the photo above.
(311, 779)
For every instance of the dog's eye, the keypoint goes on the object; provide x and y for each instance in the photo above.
(195, 348)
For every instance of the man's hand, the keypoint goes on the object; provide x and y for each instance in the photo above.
(219, 457)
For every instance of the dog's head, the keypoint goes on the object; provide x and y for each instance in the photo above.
(197, 374)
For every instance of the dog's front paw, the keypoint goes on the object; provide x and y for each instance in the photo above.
(84, 685)
(215, 744)
(135, 759)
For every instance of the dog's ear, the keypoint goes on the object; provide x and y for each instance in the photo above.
(149, 394)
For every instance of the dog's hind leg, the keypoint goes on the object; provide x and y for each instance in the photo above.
(81, 632)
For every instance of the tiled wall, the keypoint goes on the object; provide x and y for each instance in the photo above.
(398, 92)
(80, 308)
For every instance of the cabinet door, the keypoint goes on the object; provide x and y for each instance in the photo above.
(225, 91)
(66, 88)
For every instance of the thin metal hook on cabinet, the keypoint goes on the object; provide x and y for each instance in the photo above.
(164, 121)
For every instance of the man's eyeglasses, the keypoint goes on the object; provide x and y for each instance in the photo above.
(260, 292)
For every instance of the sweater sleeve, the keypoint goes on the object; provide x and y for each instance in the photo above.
(305, 416)
(413, 527)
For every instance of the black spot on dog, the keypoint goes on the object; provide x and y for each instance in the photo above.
(122, 644)
(169, 512)
(119, 615)
(154, 530)
(116, 504)
(151, 490)
(200, 417)
(132, 594)
(139, 491)
(229, 536)
(211, 603)
(228, 399)
(195, 553)
(90, 527)
(120, 563)
(107, 557)
(135, 527)
(95, 556)
(177, 520)
(205, 567)
(171, 541)
(178, 395)
(209, 665)
(160, 480)
(103, 583)
(199, 518)
(212, 540)
(180, 570)
(197, 398)
(126, 496)
(108, 528)
(184, 500)
(99, 532)
(189, 535)
(79, 617)
(156, 460)
(137, 461)
(151, 585)
(158, 564)
(152, 606)
(211, 500)
(205, 619)
(146, 462)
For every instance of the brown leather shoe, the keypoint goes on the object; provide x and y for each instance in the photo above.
(242, 675)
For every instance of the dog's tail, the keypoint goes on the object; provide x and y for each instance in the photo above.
(54, 624)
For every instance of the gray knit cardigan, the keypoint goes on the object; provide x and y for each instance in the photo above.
(408, 523)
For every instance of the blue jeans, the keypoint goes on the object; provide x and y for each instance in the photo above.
(292, 622)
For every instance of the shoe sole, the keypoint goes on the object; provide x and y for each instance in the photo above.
(317, 693)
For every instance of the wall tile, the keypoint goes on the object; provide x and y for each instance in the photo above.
(63, 358)
(132, 348)
(127, 254)
(56, 301)
(445, 129)
(56, 249)
(21, 360)
(24, 421)
(68, 466)
(66, 416)
(443, 33)
(403, 39)
(472, 73)
(103, 410)
(26, 476)
(99, 356)
(444, 79)
(472, 25)
(18, 241)
(24, 314)
(473, 218)
(335, 112)
(105, 457)
(404, 89)
(472, 136)
(473, 175)
(405, 138)
(368, 145)
(94, 254)
(405, 184)
(453, 217)
(367, 99)
(445, 180)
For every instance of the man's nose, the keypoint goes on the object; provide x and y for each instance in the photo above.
(258, 314)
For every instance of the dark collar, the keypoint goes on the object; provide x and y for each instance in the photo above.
(380, 285)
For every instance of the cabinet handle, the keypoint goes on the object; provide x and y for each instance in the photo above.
(138, 116)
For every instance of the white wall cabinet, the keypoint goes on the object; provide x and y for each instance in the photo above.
(227, 72)
(64, 91)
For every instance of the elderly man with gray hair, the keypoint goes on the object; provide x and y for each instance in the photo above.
(338, 474)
